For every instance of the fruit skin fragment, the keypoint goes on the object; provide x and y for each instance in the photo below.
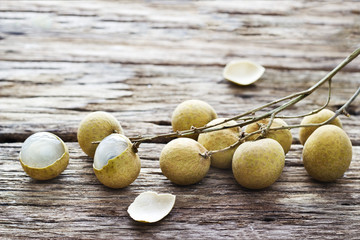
(243, 72)
(150, 207)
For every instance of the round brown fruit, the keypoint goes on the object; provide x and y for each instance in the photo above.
(327, 153)
(258, 164)
(192, 113)
(183, 161)
(94, 128)
(322, 116)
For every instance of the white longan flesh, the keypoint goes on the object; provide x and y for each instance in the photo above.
(41, 150)
(151, 207)
(109, 148)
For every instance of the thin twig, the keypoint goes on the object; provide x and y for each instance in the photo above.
(314, 111)
(337, 113)
(271, 120)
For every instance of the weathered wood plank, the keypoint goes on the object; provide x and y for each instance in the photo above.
(75, 204)
(47, 99)
(60, 60)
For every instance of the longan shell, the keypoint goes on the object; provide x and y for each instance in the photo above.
(327, 153)
(192, 113)
(322, 116)
(120, 171)
(258, 164)
(50, 171)
(181, 162)
(283, 136)
(217, 140)
(94, 128)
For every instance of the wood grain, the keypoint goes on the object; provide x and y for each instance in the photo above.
(60, 60)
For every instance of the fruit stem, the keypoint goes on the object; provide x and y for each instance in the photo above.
(293, 99)
(314, 111)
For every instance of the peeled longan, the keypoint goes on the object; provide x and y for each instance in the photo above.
(192, 113)
(182, 161)
(116, 165)
(319, 117)
(283, 136)
(327, 153)
(258, 164)
(44, 156)
(218, 140)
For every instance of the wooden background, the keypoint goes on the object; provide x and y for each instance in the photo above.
(60, 60)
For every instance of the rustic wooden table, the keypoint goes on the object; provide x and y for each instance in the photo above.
(60, 60)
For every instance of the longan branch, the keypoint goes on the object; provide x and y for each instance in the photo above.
(138, 140)
(296, 97)
(299, 95)
(293, 99)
